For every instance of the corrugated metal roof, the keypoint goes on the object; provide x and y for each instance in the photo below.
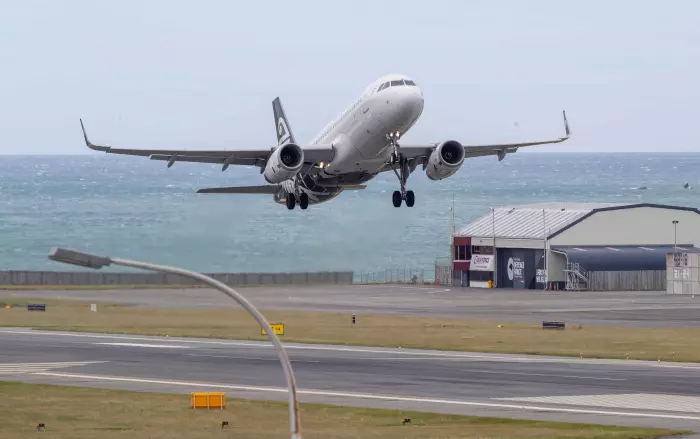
(531, 220)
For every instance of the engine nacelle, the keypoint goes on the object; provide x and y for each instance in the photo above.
(286, 161)
(445, 160)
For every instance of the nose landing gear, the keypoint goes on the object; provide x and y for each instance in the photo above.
(402, 173)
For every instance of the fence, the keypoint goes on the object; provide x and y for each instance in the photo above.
(106, 278)
(404, 275)
(444, 274)
(645, 280)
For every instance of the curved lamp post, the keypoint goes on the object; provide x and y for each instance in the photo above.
(97, 262)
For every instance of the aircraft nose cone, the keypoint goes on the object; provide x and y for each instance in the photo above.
(411, 103)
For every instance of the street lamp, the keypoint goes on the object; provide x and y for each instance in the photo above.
(93, 261)
(493, 232)
(675, 224)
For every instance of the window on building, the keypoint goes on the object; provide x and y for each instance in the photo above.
(463, 253)
(482, 250)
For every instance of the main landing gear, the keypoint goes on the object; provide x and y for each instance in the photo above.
(399, 160)
(292, 201)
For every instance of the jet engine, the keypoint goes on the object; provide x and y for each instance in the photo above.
(445, 160)
(284, 163)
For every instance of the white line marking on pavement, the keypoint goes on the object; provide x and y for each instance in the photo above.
(542, 375)
(368, 350)
(233, 357)
(17, 368)
(639, 401)
(144, 345)
(371, 396)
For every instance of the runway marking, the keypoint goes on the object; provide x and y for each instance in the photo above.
(423, 289)
(371, 396)
(544, 375)
(19, 368)
(368, 350)
(231, 357)
(640, 401)
(144, 345)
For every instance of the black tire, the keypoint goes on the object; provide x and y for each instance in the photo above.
(410, 198)
(303, 201)
(291, 201)
(396, 199)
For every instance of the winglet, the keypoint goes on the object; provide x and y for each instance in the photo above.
(566, 125)
(88, 143)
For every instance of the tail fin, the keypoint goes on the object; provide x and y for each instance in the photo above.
(284, 131)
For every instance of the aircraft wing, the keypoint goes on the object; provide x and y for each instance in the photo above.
(225, 157)
(420, 153)
(266, 189)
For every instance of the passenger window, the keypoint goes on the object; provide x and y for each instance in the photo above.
(409, 82)
(395, 83)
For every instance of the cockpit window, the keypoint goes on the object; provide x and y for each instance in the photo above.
(395, 83)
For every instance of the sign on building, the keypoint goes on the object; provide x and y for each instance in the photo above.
(481, 263)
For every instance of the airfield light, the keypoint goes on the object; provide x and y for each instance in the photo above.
(75, 257)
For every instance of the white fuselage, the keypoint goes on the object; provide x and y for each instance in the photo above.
(359, 135)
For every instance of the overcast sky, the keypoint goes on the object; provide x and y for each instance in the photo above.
(202, 74)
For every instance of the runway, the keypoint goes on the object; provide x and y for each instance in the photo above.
(515, 386)
(632, 308)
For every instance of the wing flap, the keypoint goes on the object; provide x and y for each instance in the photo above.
(266, 189)
(216, 160)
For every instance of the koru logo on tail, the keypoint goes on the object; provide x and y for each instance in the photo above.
(282, 131)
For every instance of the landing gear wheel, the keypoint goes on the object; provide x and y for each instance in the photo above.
(396, 199)
(402, 173)
(291, 201)
(410, 199)
(303, 201)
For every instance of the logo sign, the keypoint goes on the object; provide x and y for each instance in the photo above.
(516, 269)
(282, 131)
(510, 268)
(481, 263)
(541, 276)
(277, 328)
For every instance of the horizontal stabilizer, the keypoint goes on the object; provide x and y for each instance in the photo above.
(267, 189)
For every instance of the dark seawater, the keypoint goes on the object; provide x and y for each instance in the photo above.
(137, 208)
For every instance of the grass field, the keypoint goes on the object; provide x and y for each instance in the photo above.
(679, 344)
(78, 412)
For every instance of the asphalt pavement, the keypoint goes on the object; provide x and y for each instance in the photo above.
(516, 386)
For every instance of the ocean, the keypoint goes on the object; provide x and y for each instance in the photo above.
(133, 207)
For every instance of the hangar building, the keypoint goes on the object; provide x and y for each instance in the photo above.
(562, 245)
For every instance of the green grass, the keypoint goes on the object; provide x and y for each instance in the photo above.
(81, 413)
(673, 343)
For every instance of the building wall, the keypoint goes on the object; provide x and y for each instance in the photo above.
(635, 226)
(509, 242)
(526, 270)
(555, 267)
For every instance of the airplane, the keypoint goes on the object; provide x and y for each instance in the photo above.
(359, 144)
